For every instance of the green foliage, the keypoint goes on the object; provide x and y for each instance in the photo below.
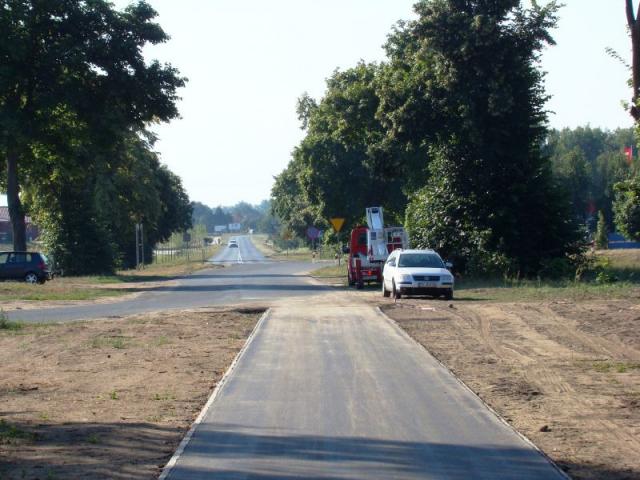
(290, 202)
(627, 208)
(490, 202)
(113, 195)
(257, 217)
(6, 324)
(602, 234)
(345, 162)
(75, 92)
(587, 162)
(448, 134)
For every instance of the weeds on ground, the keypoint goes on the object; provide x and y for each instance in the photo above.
(163, 397)
(109, 341)
(10, 434)
(6, 324)
(617, 367)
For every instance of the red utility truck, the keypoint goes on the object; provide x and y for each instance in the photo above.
(370, 246)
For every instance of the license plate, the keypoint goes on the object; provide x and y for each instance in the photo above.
(427, 284)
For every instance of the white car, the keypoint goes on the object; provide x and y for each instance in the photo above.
(416, 272)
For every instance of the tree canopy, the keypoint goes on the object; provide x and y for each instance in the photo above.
(449, 131)
(73, 74)
(76, 96)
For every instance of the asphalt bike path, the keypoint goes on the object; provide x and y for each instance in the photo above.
(328, 388)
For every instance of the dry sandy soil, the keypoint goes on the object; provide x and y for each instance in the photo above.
(109, 399)
(565, 374)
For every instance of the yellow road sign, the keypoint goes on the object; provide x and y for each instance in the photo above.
(337, 224)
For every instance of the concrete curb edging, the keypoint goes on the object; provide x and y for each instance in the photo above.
(216, 391)
(403, 333)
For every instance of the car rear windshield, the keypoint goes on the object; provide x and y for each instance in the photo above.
(425, 260)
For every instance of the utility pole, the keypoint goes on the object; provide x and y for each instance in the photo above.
(139, 246)
(137, 243)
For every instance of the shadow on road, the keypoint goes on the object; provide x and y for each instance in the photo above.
(274, 457)
(122, 450)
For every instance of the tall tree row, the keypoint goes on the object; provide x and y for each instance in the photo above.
(627, 203)
(447, 133)
(588, 162)
(76, 96)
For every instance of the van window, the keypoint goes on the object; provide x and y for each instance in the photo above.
(20, 258)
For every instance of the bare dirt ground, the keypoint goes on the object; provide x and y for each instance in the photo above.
(109, 399)
(565, 374)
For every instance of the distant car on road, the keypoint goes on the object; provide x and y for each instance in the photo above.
(416, 272)
(233, 245)
(32, 267)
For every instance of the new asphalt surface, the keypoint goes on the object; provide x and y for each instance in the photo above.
(330, 389)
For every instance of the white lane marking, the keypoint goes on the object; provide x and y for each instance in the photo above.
(239, 257)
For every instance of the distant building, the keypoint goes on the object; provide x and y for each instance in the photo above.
(220, 228)
(6, 233)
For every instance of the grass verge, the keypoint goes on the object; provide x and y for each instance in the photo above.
(616, 275)
(104, 286)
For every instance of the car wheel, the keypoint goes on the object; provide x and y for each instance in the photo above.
(385, 293)
(396, 293)
(448, 295)
(31, 278)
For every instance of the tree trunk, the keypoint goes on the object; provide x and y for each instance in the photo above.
(634, 28)
(16, 213)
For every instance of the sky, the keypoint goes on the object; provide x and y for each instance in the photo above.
(248, 62)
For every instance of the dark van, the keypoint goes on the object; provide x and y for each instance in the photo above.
(32, 267)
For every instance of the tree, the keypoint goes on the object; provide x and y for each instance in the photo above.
(602, 232)
(574, 173)
(345, 162)
(490, 196)
(221, 217)
(633, 21)
(203, 215)
(88, 210)
(588, 162)
(290, 203)
(627, 208)
(80, 62)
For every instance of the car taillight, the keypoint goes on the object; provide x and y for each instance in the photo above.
(42, 266)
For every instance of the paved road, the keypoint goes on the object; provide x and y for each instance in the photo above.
(254, 280)
(329, 389)
(245, 253)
